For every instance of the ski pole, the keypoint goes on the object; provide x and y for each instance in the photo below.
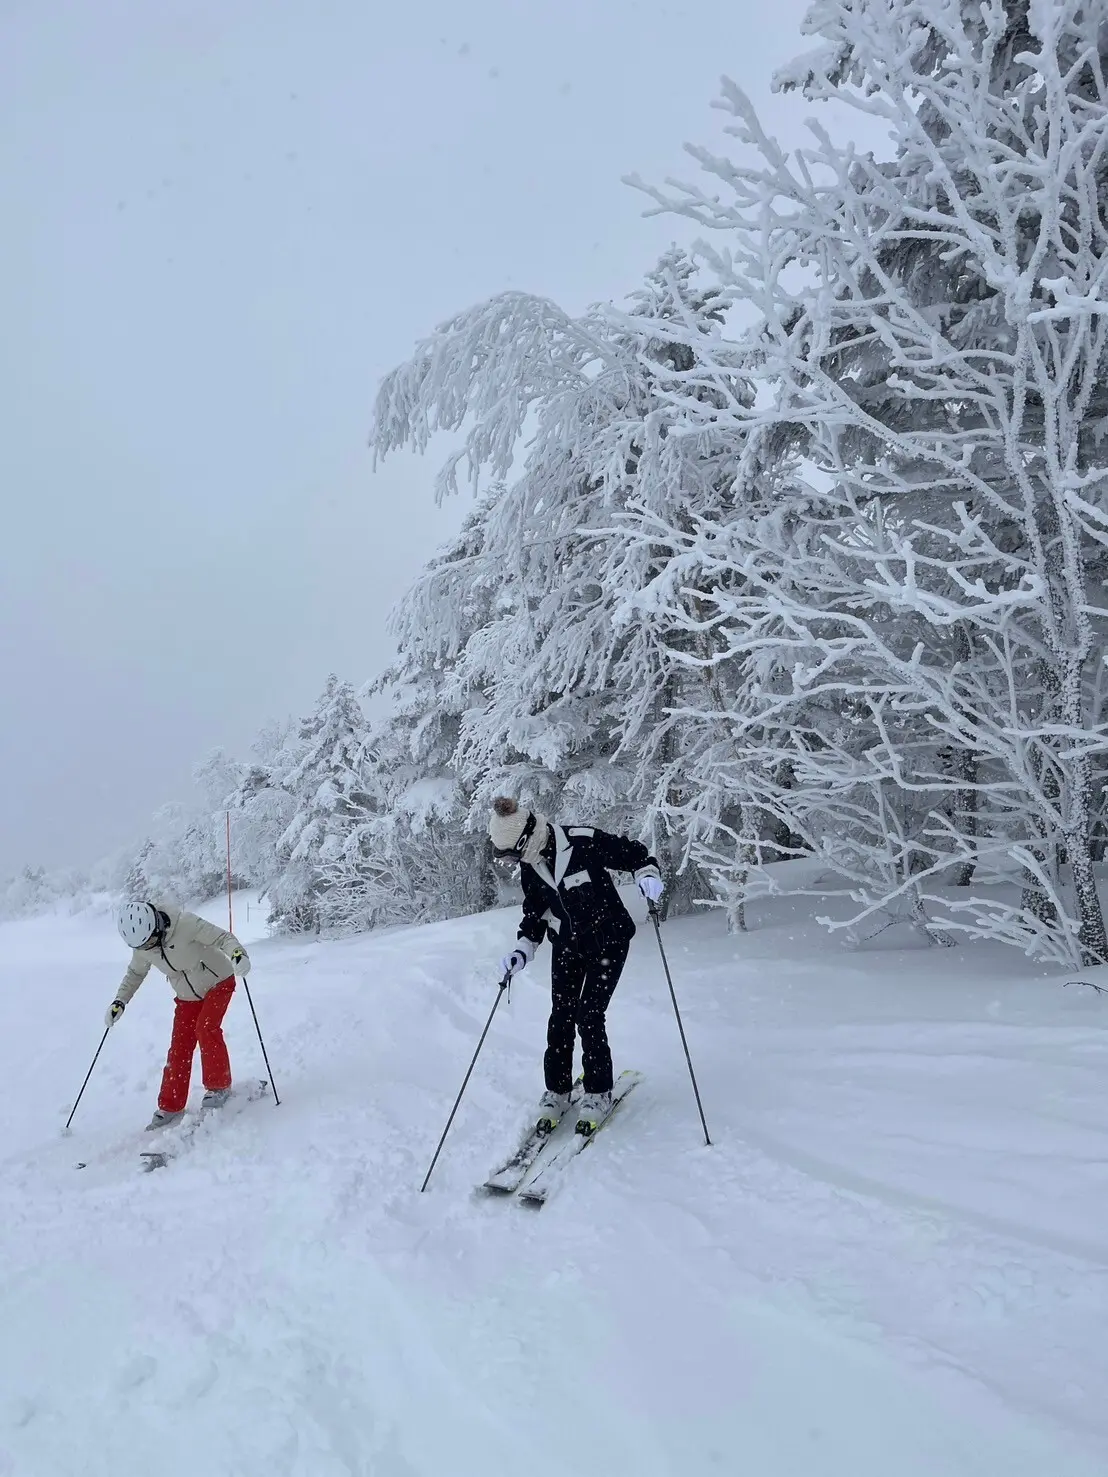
(245, 986)
(673, 996)
(504, 983)
(88, 1074)
(261, 1043)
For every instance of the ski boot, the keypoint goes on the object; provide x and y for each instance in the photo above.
(552, 1108)
(595, 1107)
(215, 1097)
(162, 1119)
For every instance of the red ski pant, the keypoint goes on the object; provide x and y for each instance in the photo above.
(197, 1023)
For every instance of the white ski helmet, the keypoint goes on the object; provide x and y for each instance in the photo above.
(137, 924)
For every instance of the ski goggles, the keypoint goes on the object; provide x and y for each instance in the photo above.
(515, 853)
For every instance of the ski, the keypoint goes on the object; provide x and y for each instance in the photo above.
(538, 1189)
(511, 1174)
(184, 1133)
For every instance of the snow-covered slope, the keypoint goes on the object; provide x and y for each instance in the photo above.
(892, 1261)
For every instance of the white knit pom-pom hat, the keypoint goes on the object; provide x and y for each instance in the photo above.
(507, 823)
(513, 829)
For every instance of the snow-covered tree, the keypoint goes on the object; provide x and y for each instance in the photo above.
(427, 825)
(260, 807)
(38, 890)
(494, 369)
(136, 884)
(183, 859)
(328, 790)
(572, 692)
(27, 893)
(912, 582)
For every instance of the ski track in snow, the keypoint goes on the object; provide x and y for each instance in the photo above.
(892, 1260)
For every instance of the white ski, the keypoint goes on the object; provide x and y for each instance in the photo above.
(513, 1171)
(538, 1189)
(178, 1137)
(508, 1176)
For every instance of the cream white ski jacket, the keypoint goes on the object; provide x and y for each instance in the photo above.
(193, 955)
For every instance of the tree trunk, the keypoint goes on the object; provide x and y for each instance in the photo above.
(1034, 899)
(1098, 833)
(965, 810)
(1091, 935)
(1090, 915)
(964, 768)
(748, 856)
(1073, 642)
(1044, 844)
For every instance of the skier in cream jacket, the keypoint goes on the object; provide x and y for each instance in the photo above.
(201, 962)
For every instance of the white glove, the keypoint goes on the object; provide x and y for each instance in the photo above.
(519, 958)
(114, 1011)
(240, 962)
(651, 886)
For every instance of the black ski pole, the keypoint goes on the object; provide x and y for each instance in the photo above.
(261, 1043)
(88, 1074)
(673, 996)
(504, 983)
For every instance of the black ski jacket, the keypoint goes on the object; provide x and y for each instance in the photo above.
(571, 896)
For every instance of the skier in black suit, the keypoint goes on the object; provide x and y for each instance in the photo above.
(569, 895)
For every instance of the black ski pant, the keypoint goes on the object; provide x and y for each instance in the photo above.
(581, 986)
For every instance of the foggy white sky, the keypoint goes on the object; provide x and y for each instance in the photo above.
(223, 220)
